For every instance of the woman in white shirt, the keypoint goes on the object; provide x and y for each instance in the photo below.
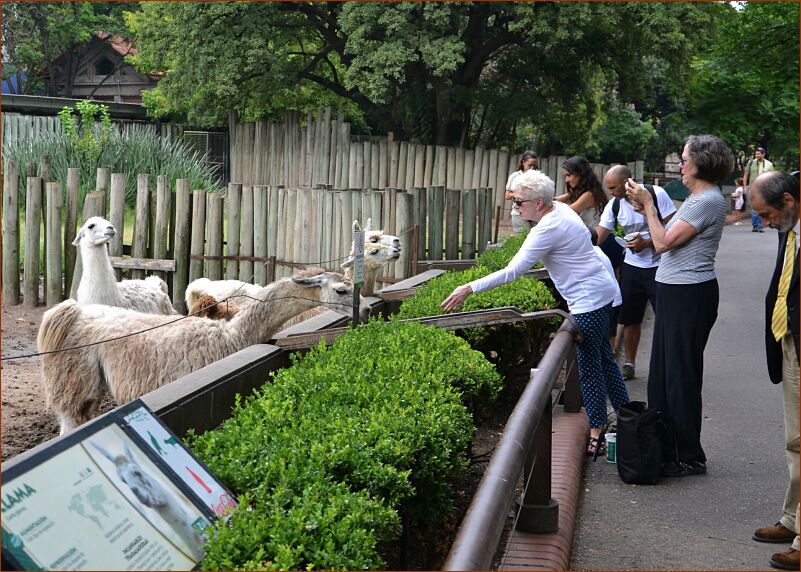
(528, 160)
(561, 241)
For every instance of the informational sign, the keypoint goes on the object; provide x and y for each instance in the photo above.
(167, 446)
(358, 257)
(107, 497)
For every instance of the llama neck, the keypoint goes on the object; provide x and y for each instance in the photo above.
(368, 280)
(280, 301)
(98, 283)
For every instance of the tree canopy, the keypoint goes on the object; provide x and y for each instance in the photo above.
(446, 73)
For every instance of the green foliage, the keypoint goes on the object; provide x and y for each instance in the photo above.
(87, 138)
(445, 72)
(496, 258)
(745, 87)
(343, 441)
(137, 150)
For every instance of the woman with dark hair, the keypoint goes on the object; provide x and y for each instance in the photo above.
(528, 160)
(585, 193)
(687, 294)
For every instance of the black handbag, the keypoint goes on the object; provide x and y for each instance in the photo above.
(644, 435)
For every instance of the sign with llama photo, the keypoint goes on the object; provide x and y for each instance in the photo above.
(104, 498)
(167, 446)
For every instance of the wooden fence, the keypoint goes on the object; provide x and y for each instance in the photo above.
(254, 233)
(323, 152)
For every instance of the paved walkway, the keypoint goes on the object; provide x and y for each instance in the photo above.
(703, 522)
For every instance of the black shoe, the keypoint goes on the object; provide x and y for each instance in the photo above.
(676, 470)
(755, 229)
(760, 230)
(696, 468)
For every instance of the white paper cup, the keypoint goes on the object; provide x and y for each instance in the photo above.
(611, 447)
(631, 236)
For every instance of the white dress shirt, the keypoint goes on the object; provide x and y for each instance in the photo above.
(562, 243)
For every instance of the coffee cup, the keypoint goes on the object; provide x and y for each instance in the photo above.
(611, 447)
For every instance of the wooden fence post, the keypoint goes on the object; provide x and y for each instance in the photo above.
(232, 205)
(214, 235)
(484, 200)
(161, 234)
(246, 234)
(116, 210)
(469, 224)
(142, 224)
(11, 233)
(198, 243)
(453, 199)
(70, 224)
(419, 219)
(33, 213)
(53, 291)
(261, 222)
(181, 244)
(404, 206)
(436, 211)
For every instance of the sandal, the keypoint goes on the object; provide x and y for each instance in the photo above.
(596, 447)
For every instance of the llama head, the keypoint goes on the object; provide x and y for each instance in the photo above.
(376, 255)
(94, 232)
(335, 291)
(148, 491)
(378, 237)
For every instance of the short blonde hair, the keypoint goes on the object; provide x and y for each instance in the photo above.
(533, 185)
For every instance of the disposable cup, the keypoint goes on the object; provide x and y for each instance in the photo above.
(611, 447)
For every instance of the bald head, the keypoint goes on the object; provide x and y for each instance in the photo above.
(774, 197)
(615, 180)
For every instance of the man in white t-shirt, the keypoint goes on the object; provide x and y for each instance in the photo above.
(638, 271)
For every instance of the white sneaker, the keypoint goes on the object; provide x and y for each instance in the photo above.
(738, 224)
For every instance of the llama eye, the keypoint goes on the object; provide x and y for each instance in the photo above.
(341, 290)
(91, 226)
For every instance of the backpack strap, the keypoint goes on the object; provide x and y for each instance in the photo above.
(615, 210)
(656, 203)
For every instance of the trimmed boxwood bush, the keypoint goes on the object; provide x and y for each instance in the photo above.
(328, 455)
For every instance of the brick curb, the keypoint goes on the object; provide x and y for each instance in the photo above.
(552, 551)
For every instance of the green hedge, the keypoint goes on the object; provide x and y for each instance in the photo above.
(329, 454)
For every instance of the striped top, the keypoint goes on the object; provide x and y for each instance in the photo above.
(694, 261)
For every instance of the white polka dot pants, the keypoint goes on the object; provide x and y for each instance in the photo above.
(599, 374)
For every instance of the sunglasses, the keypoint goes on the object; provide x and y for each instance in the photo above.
(519, 203)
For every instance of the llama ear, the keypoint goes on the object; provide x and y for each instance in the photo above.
(308, 281)
(347, 264)
(103, 452)
(355, 225)
(78, 238)
(128, 453)
(369, 226)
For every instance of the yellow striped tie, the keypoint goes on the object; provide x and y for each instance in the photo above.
(779, 323)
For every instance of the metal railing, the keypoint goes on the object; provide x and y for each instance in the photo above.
(524, 448)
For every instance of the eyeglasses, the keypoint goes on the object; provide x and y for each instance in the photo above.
(518, 203)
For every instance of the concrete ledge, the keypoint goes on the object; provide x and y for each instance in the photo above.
(553, 551)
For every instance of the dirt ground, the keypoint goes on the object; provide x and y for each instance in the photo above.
(24, 422)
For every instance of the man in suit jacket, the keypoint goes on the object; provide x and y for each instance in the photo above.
(775, 198)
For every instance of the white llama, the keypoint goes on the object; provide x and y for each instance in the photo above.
(139, 361)
(99, 284)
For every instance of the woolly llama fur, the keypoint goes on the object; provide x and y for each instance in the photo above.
(75, 381)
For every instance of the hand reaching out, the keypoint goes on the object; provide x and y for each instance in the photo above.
(457, 298)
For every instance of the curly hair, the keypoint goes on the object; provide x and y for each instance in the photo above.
(712, 157)
(588, 182)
